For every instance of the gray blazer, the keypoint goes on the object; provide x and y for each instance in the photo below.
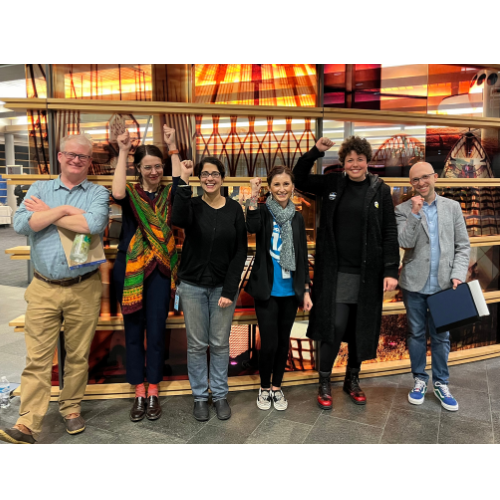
(413, 237)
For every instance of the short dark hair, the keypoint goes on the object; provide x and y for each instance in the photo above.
(214, 161)
(278, 170)
(358, 144)
(141, 152)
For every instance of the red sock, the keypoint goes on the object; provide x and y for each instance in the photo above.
(140, 391)
(153, 390)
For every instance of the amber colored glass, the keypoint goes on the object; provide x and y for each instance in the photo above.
(256, 84)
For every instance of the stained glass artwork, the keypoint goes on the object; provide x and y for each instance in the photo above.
(256, 84)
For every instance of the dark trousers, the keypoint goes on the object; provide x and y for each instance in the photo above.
(345, 327)
(152, 318)
(275, 317)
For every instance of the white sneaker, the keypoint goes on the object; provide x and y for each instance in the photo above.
(280, 403)
(264, 399)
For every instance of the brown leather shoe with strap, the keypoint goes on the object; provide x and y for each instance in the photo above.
(15, 436)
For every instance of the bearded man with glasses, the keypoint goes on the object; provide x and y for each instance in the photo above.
(432, 231)
(59, 293)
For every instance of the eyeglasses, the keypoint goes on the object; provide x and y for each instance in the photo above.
(148, 168)
(74, 156)
(206, 175)
(425, 177)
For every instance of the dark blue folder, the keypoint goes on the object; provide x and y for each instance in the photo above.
(453, 308)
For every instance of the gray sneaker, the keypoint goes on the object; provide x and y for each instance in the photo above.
(15, 436)
(264, 399)
(279, 401)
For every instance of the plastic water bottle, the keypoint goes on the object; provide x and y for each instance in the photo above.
(4, 393)
(80, 248)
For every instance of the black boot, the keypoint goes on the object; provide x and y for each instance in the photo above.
(324, 391)
(351, 386)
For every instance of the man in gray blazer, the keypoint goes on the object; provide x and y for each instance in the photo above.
(432, 231)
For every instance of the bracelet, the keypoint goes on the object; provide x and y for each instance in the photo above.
(173, 152)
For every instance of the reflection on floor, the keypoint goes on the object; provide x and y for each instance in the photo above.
(387, 418)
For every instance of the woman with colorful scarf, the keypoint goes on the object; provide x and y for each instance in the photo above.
(145, 269)
(279, 281)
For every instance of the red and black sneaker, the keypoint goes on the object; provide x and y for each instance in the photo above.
(325, 393)
(351, 386)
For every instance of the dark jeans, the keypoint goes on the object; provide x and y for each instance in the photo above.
(419, 317)
(275, 317)
(345, 326)
(152, 318)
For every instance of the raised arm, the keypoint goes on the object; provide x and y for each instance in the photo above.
(171, 142)
(253, 219)
(409, 225)
(304, 180)
(120, 176)
(182, 211)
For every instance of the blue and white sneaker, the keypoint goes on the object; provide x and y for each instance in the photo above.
(417, 395)
(442, 392)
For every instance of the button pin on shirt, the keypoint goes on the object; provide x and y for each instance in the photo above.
(332, 196)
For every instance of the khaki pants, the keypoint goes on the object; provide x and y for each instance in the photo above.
(48, 305)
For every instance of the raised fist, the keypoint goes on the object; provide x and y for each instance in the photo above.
(186, 170)
(255, 184)
(124, 142)
(169, 137)
(416, 204)
(324, 144)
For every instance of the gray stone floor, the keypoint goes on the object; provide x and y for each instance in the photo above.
(387, 418)
(12, 272)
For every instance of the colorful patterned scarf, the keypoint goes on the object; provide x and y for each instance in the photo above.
(152, 245)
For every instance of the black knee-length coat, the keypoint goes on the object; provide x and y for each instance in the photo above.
(380, 254)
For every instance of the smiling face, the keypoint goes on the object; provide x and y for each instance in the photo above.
(74, 169)
(423, 179)
(151, 169)
(210, 178)
(281, 188)
(356, 166)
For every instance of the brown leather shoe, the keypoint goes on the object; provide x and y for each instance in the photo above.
(153, 411)
(75, 425)
(15, 436)
(138, 410)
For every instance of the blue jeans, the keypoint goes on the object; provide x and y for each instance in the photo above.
(417, 315)
(206, 325)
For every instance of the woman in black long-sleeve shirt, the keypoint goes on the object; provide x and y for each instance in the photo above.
(213, 257)
(357, 258)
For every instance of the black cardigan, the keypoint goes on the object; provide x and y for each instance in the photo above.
(379, 250)
(261, 279)
(214, 237)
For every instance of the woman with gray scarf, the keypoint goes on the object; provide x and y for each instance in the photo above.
(279, 281)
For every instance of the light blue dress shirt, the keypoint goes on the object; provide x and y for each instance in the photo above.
(431, 216)
(47, 254)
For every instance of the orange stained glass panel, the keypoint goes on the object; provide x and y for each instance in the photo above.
(256, 84)
(127, 82)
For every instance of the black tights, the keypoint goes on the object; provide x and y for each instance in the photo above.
(275, 317)
(345, 316)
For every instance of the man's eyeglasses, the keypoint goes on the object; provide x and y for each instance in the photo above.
(206, 175)
(74, 156)
(425, 177)
(148, 168)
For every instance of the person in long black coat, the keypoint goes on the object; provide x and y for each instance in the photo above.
(357, 259)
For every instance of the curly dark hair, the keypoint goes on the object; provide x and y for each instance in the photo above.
(358, 144)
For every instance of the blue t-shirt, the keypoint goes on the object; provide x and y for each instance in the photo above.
(282, 287)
